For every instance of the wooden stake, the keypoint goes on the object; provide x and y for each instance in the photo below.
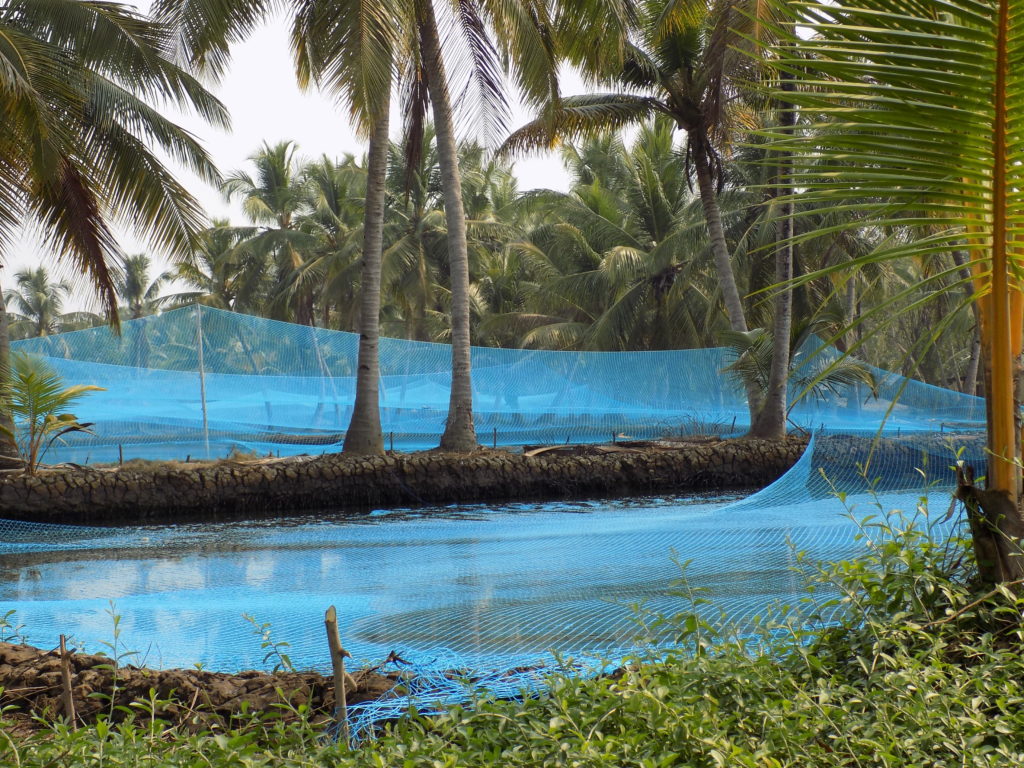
(338, 655)
(65, 683)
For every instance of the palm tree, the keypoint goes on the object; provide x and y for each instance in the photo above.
(337, 197)
(415, 259)
(620, 261)
(80, 84)
(349, 51)
(274, 199)
(416, 269)
(668, 58)
(213, 271)
(353, 52)
(138, 291)
(919, 113)
(39, 304)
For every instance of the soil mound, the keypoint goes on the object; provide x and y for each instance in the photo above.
(30, 679)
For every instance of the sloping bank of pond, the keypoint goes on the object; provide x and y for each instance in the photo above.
(162, 492)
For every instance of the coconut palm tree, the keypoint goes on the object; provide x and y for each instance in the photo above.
(620, 261)
(138, 291)
(274, 199)
(353, 52)
(919, 107)
(525, 48)
(38, 305)
(337, 191)
(213, 271)
(83, 83)
(669, 58)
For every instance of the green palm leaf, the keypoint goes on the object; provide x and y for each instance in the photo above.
(917, 120)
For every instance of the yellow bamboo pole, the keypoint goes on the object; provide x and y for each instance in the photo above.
(1002, 415)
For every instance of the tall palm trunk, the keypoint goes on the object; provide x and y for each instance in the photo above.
(364, 434)
(720, 251)
(459, 432)
(770, 422)
(716, 233)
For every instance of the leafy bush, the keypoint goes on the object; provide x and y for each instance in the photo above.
(39, 403)
(913, 668)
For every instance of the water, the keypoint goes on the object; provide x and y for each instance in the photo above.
(477, 580)
(475, 587)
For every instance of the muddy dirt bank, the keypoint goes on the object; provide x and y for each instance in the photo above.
(184, 492)
(31, 681)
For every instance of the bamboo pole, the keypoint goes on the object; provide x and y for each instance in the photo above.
(338, 655)
(67, 698)
(1002, 432)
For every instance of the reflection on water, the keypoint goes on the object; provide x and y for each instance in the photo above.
(509, 581)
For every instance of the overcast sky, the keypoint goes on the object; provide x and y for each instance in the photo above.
(266, 105)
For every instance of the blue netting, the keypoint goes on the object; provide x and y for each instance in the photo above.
(476, 591)
(273, 387)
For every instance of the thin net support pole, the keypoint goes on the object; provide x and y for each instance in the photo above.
(202, 379)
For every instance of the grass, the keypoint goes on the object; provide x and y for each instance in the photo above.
(925, 671)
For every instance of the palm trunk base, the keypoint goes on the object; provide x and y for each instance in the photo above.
(997, 528)
(768, 424)
(10, 458)
(459, 433)
(364, 439)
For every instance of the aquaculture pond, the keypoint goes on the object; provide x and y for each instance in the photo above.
(476, 587)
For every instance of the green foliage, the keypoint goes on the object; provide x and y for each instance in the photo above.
(811, 374)
(10, 629)
(39, 403)
(912, 668)
(275, 649)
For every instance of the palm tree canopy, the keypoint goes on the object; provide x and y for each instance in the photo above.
(82, 85)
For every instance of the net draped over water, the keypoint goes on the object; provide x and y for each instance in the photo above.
(485, 588)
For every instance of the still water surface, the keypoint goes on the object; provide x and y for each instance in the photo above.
(507, 582)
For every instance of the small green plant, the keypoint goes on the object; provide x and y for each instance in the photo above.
(117, 655)
(39, 403)
(10, 629)
(812, 373)
(275, 648)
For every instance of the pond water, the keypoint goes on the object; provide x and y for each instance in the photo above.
(516, 578)
(479, 586)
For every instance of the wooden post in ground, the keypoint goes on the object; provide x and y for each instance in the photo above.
(338, 655)
(65, 683)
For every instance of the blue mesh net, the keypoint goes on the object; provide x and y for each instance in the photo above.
(272, 387)
(497, 594)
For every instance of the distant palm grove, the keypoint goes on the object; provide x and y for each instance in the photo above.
(619, 262)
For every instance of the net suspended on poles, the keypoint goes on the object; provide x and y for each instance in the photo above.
(203, 382)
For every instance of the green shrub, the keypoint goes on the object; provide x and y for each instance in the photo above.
(39, 403)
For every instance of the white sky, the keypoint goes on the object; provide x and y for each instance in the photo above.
(266, 105)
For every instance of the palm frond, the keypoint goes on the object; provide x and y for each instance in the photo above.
(577, 116)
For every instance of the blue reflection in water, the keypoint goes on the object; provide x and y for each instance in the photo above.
(497, 584)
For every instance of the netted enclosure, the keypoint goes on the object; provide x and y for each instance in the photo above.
(202, 382)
